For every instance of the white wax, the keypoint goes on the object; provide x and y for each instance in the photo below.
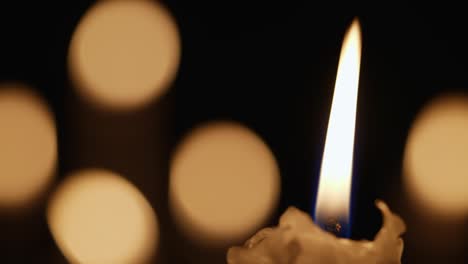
(297, 240)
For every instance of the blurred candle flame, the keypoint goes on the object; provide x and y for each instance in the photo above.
(334, 190)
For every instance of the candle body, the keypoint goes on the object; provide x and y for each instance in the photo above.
(298, 240)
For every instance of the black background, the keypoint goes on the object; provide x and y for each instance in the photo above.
(270, 66)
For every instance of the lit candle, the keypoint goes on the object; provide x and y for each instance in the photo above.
(297, 239)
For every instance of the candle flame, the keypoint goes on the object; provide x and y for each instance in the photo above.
(334, 191)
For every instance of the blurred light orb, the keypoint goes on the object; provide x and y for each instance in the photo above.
(124, 53)
(436, 156)
(96, 216)
(28, 146)
(224, 183)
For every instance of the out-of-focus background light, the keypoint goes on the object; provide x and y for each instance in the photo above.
(224, 183)
(96, 216)
(436, 156)
(124, 54)
(28, 146)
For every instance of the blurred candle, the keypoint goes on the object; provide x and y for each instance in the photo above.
(28, 146)
(97, 216)
(297, 239)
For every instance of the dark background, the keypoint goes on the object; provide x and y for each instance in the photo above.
(269, 66)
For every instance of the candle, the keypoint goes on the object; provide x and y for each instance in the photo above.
(297, 239)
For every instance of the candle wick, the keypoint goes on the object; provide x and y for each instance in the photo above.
(333, 226)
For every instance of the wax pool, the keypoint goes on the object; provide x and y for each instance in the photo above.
(298, 240)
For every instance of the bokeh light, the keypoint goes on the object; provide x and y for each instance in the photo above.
(96, 216)
(28, 146)
(124, 53)
(436, 156)
(224, 183)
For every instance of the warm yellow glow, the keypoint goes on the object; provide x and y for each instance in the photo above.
(436, 157)
(96, 216)
(28, 146)
(335, 177)
(224, 183)
(124, 53)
